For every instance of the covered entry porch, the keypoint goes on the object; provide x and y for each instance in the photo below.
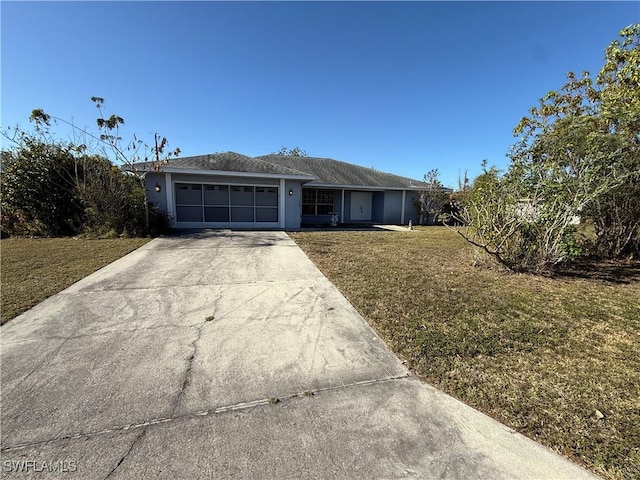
(365, 205)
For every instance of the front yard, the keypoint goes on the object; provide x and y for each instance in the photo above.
(557, 359)
(34, 269)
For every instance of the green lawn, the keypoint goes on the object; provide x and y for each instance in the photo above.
(34, 269)
(557, 359)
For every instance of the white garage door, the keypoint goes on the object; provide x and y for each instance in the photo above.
(226, 205)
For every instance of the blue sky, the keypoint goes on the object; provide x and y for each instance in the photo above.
(401, 87)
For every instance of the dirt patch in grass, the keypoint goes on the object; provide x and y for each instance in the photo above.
(34, 269)
(557, 359)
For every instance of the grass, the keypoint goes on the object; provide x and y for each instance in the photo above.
(34, 269)
(557, 359)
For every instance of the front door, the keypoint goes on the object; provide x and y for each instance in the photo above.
(361, 206)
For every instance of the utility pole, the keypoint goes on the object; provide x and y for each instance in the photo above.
(155, 136)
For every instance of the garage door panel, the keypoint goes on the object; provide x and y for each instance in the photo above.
(216, 195)
(242, 214)
(242, 196)
(189, 214)
(188, 194)
(216, 214)
(266, 214)
(267, 196)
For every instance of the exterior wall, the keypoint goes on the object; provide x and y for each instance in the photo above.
(377, 208)
(392, 207)
(337, 204)
(293, 204)
(347, 207)
(410, 212)
(157, 198)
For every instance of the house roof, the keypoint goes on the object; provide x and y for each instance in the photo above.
(317, 171)
(334, 172)
(227, 162)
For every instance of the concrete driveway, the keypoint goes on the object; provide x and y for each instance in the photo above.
(228, 354)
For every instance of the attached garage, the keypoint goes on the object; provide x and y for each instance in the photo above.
(226, 205)
(225, 190)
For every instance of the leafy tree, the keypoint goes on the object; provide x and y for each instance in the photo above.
(291, 152)
(616, 213)
(592, 129)
(577, 156)
(52, 190)
(37, 188)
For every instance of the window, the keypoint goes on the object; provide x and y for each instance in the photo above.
(317, 202)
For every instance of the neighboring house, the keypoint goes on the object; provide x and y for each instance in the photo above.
(230, 190)
(529, 211)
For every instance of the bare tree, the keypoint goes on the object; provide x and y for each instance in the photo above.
(430, 199)
(133, 156)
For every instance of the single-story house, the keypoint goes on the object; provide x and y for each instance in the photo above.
(230, 190)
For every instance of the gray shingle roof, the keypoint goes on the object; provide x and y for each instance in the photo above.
(334, 172)
(229, 162)
(325, 171)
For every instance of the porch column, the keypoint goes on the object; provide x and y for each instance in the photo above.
(404, 198)
(342, 208)
(168, 187)
(283, 199)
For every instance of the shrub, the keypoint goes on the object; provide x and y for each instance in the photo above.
(38, 195)
(49, 189)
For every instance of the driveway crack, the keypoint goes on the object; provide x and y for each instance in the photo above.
(186, 379)
(126, 454)
(212, 411)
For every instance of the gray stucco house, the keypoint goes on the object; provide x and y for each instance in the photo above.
(230, 190)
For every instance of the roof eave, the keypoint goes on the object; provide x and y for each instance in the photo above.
(370, 187)
(197, 171)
